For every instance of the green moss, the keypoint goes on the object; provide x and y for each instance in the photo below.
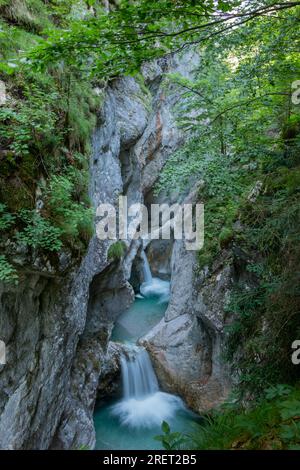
(116, 251)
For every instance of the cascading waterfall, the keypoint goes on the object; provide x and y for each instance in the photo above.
(134, 420)
(139, 379)
(146, 269)
(153, 286)
(143, 405)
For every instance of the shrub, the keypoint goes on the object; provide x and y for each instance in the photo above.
(271, 423)
(73, 218)
(7, 271)
(266, 311)
(38, 232)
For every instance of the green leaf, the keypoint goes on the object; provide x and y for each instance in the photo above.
(165, 427)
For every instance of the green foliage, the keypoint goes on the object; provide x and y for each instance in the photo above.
(278, 391)
(170, 440)
(75, 219)
(116, 251)
(6, 218)
(30, 123)
(265, 309)
(7, 271)
(222, 189)
(239, 88)
(38, 232)
(270, 424)
(118, 41)
(45, 130)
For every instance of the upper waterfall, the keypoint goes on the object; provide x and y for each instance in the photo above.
(153, 286)
(146, 269)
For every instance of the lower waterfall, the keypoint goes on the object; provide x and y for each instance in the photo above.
(138, 377)
(143, 405)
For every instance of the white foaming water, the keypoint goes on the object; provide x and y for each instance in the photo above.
(138, 296)
(143, 405)
(149, 411)
(146, 269)
(153, 286)
(138, 376)
(157, 288)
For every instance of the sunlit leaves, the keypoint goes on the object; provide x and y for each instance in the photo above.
(119, 41)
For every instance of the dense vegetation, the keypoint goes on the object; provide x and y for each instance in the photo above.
(46, 123)
(249, 159)
(244, 145)
(246, 149)
(273, 424)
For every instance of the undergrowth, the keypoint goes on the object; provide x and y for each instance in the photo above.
(273, 423)
(45, 127)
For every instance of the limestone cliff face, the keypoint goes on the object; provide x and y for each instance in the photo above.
(187, 345)
(56, 323)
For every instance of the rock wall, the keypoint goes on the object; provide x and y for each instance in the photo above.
(56, 323)
(187, 346)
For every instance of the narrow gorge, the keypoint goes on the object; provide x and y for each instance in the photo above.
(57, 323)
(138, 342)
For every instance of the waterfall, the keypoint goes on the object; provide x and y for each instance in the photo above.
(143, 405)
(153, 286)
(138, 376)
(146, 269)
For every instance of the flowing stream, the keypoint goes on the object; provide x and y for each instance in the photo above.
(134, 420)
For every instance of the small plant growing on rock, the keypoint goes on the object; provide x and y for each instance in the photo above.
(7, 271)
(116, 251)
(170, 440)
